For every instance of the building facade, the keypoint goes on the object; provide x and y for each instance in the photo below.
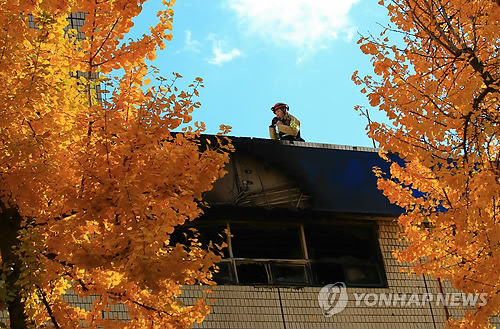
(310, 246)
(303, 216)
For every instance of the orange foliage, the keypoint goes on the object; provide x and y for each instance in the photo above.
(100, 184)
(440, 89)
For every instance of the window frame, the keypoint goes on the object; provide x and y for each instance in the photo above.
(306, 261)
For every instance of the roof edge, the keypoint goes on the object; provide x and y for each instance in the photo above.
(309, 144)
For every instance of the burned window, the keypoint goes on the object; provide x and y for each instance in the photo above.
(266, 241)
(335, 242)
(268, 253)
(347, 253)
(252, 273)
(273, 253)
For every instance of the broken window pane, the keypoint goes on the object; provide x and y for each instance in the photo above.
(255, 273)
(345, 252)
(288, 273)
(266, 241)
(225, 274)
(337, 243)
(326, 272)
(362, 274)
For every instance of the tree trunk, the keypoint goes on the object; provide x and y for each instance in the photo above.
(10, 220)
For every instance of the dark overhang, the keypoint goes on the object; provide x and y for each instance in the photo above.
(330, 178)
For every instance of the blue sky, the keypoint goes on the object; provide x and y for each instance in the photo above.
(254, 53)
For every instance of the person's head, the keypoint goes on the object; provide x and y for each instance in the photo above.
(280, 109)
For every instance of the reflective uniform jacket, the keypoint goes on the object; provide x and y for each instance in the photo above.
(288, 130)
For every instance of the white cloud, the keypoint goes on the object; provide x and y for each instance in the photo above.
(305, 24)
(190, 44)
(219, 54)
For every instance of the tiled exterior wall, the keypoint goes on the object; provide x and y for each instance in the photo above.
(287, 307)
(271, 307)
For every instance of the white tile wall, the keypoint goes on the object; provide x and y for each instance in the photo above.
(297, 308)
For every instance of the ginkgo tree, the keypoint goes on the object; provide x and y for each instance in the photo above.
(92, 184)
(437, 78)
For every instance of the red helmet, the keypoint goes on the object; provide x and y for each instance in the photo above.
(281, 106)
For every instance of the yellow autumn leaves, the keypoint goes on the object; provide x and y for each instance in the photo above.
(101, 180)
(440, 89)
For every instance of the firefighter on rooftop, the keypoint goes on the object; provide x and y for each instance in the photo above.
(284, 126)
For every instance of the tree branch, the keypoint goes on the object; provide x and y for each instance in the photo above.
(48, 308)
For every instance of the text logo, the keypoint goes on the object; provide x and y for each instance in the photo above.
(412, 300)
(333, 298)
